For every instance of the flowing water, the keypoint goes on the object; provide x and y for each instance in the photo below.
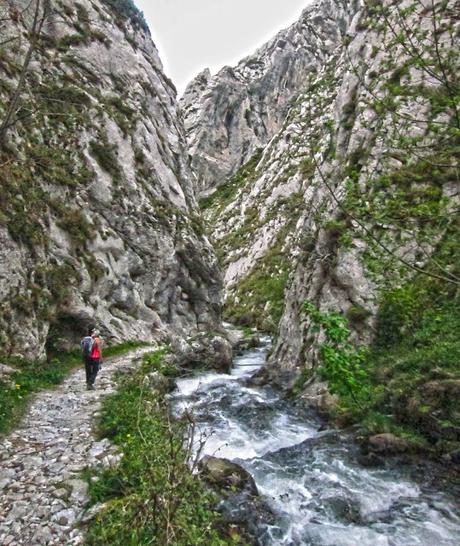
(320, 494)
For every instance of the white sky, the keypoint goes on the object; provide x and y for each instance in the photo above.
(195, 34)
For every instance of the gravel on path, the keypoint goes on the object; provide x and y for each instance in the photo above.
(42, 496)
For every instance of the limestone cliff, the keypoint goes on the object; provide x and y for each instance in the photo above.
(357, 185)
(230, 115)
(98, 220)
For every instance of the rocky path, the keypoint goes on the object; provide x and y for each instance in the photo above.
(42, 495)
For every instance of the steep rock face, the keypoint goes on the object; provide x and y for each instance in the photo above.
(230, 115)
(347, 199)
(98, 220)
(377, 199)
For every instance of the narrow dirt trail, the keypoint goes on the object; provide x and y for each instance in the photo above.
(42, 495)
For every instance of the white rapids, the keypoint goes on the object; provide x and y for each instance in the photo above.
(311, 479)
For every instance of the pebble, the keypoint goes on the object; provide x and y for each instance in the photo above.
(43, 498)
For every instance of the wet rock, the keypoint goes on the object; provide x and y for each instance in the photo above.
(370, 460)
(245, 515)
(233, 335)
(248, 342)
(387, 444)
(223, 474)
(159, 382)
(204, 351)
(241, 508)
(343, 509)
(259, 379)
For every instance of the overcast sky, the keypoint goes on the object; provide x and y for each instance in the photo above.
(195, 34)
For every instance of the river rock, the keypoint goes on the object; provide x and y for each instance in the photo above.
(226, 474)
(342, 508)
(204, 351)
(258, 379)
(387, 444)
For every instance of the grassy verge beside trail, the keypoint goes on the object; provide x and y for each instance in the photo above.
(152, 496)
(32, 376)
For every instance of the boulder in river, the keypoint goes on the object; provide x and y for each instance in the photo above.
(241, 508)
(204, 351)
(226, 474)
(387, 444)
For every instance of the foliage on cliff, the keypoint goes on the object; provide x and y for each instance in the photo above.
(408, 381)
(126, 9)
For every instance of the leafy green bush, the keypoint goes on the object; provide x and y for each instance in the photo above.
(106, 155)
(155, 362)
(409, 380)
(342, 364)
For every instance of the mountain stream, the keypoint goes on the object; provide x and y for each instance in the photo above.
(311, 480)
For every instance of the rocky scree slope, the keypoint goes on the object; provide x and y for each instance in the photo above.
(230, 115)
(98, 220)
(354, 195)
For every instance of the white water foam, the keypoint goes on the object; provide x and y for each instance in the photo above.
(321, 495)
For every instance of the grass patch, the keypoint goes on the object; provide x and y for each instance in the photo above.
(152, 497)
(33, 376)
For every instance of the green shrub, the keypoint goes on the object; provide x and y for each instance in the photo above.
(152, 497)
(127, 10)
(155, 361)
(106, 155)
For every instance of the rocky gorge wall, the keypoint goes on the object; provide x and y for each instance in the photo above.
(345, 201)
(232, 114)
(98, 219)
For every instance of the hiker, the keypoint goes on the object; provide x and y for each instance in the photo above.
(92, 356)
(95, 358)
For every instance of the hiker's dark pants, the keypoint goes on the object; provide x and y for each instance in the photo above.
(91, 368)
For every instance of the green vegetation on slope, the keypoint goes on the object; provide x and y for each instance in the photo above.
(408, 381)
(226, 193)
(127, 10)
(259, 297)
(152, 497)
(33, 376)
